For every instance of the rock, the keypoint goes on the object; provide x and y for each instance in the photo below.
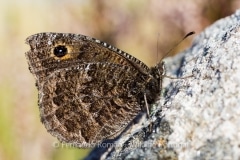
(198, 117)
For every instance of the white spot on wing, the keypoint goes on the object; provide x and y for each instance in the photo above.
(87, 68)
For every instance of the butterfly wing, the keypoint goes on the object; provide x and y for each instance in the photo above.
(88, 90)
(90, 102)
(53, 51)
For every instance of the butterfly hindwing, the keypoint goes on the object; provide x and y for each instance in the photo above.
(88, 103)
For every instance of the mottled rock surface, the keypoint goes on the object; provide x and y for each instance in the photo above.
(198, 117)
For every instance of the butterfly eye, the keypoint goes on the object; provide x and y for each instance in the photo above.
(60, 51)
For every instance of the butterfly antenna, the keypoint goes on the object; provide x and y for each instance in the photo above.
(187, 35)
(158, 46)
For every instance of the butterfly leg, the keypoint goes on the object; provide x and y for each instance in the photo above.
(146, 105)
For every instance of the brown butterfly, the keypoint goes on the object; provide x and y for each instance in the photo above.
(88, 90)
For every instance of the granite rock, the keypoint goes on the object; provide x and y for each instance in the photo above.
(198, 117)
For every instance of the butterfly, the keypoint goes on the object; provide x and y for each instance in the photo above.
(88, 90)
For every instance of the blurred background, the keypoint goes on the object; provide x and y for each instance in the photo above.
(131, 25)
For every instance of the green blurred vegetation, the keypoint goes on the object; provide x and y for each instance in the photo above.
(131, 25)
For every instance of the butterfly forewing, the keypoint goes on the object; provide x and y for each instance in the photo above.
(79, 49)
